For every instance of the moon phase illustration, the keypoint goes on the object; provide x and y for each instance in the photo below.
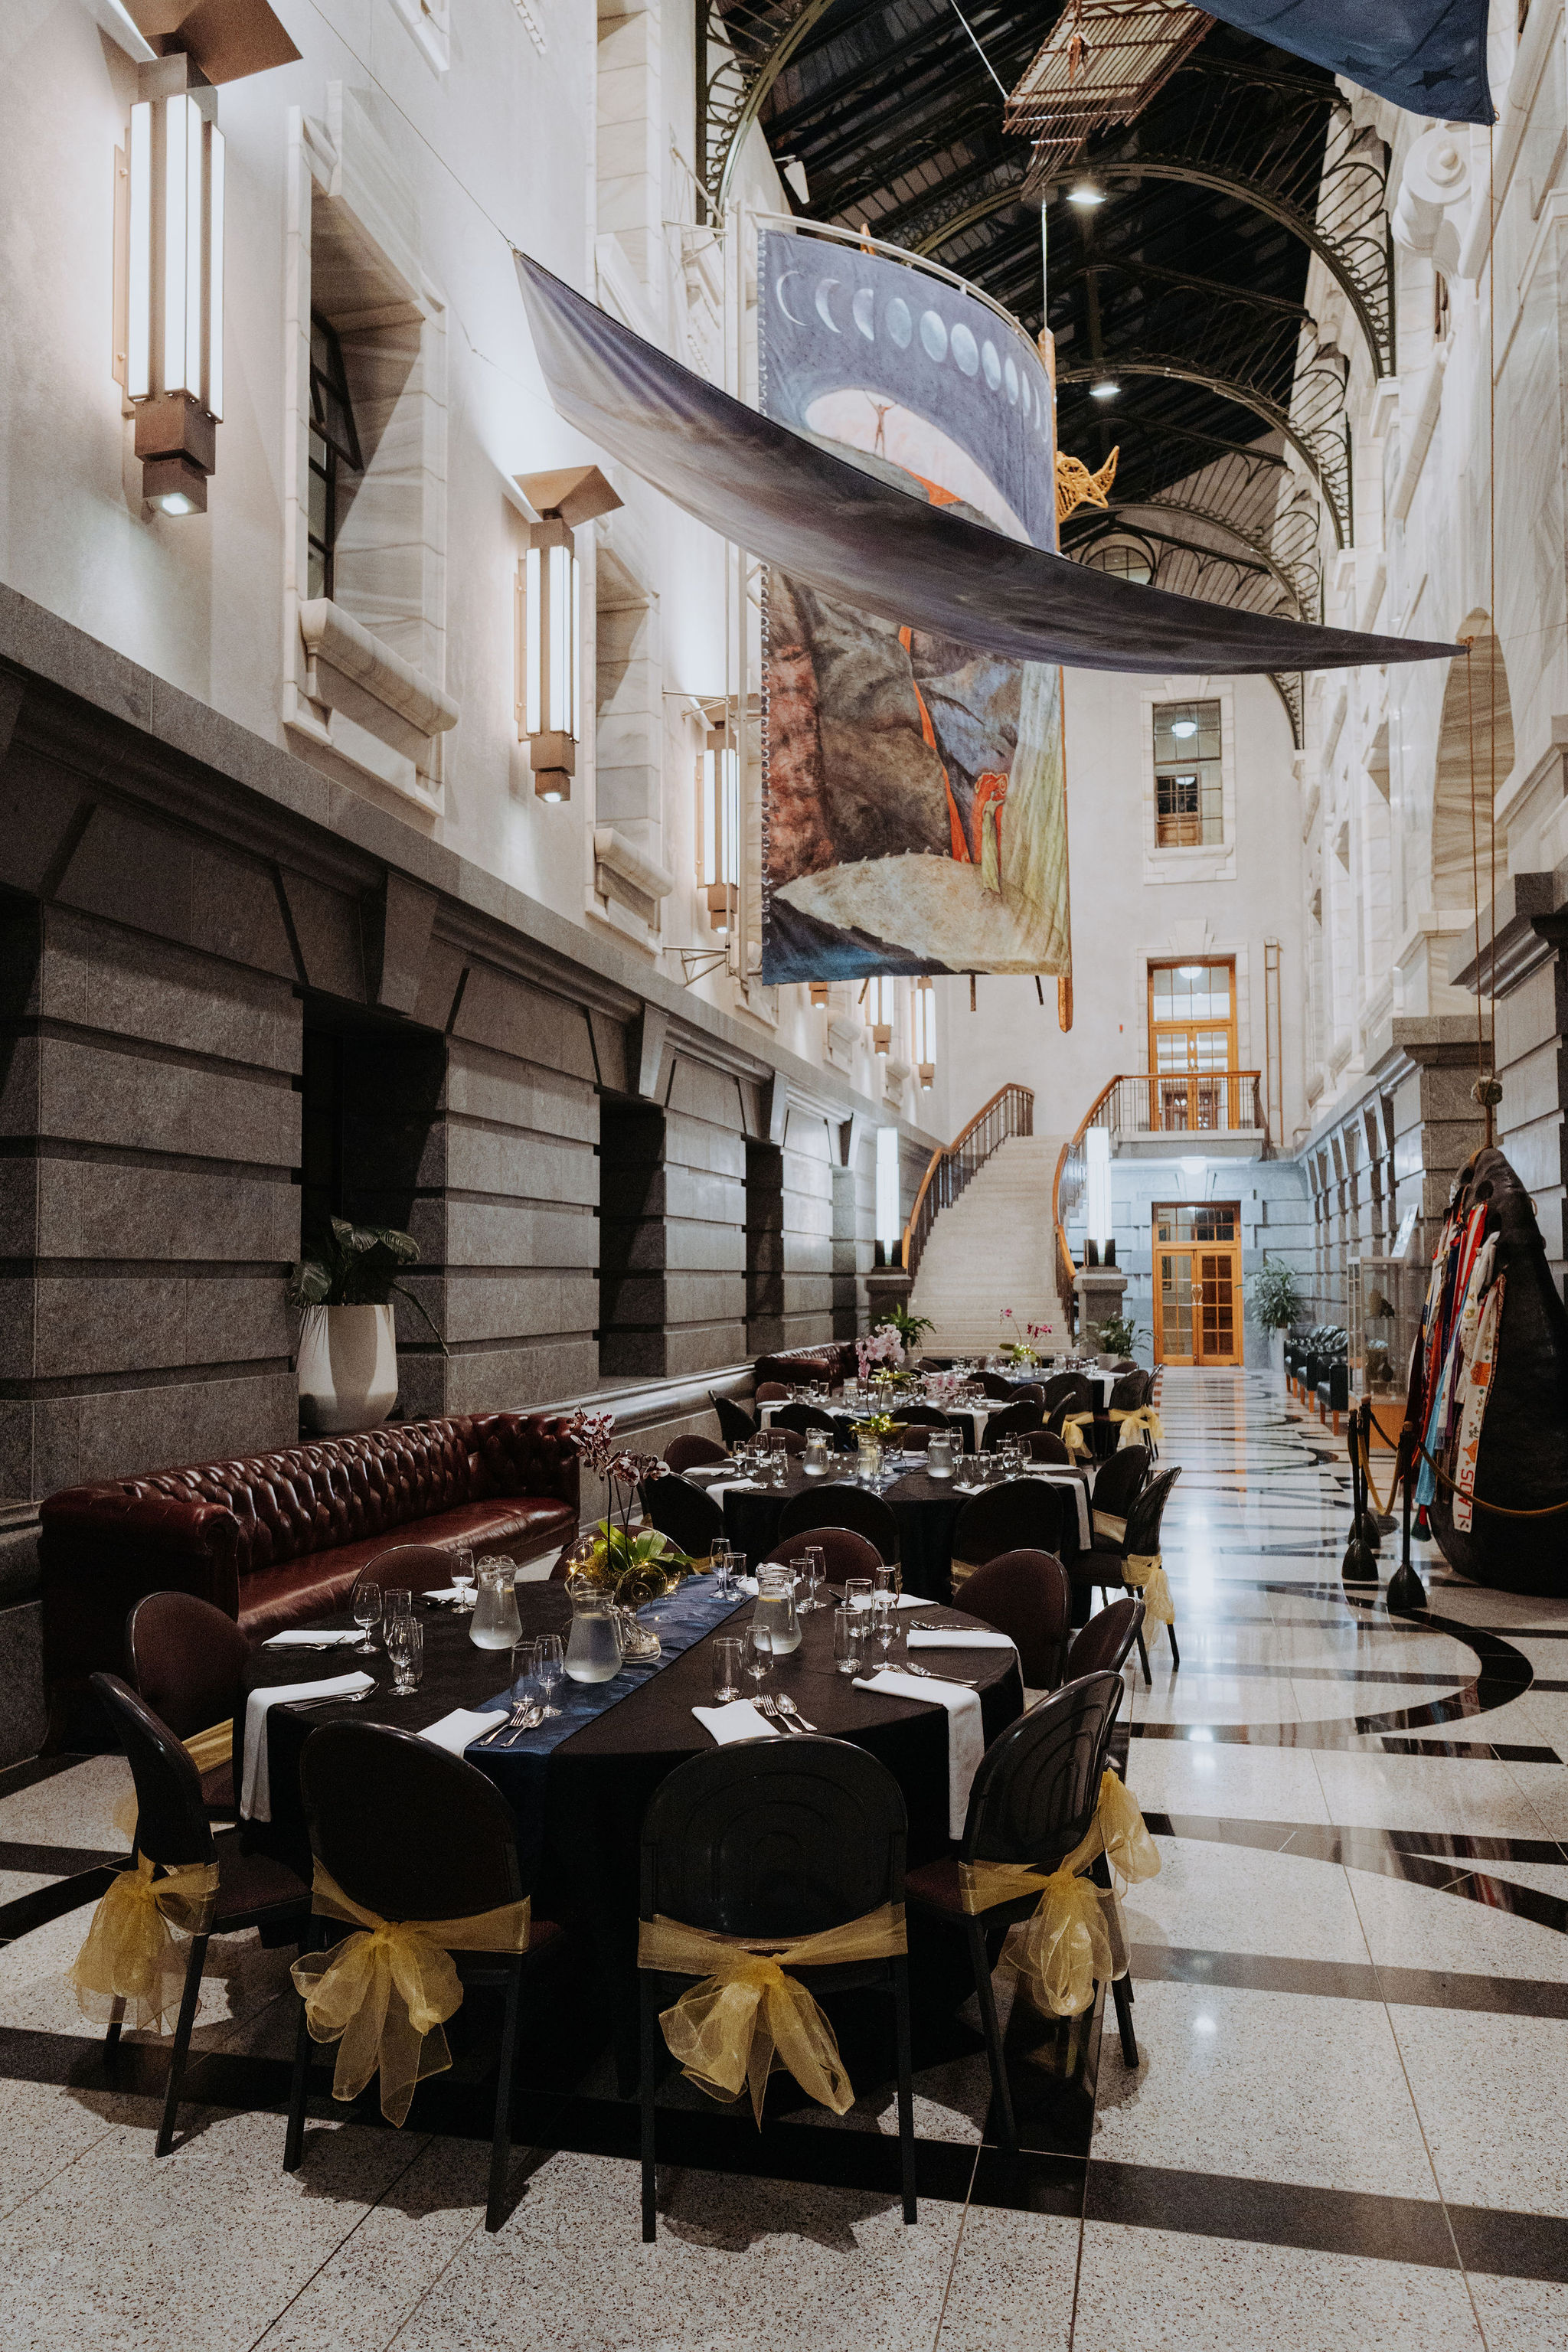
(779, 284)
(823, 310)
(863, 308)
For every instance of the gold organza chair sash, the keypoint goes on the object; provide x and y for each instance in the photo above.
(128, 1956)
(385, 1994)
(748, 2016)
(206, 1749)
(1075, 1938)
(1144, 1572)
(1106, 1523)
(1145, 1422)
(1073, 1426)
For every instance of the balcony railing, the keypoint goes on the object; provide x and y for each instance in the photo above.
(1174, 1103)
(948, 1171)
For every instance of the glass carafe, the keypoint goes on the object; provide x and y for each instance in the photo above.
(815, 1462)
(495, 1624)
(940, 1453)
(775, 1607)
(594, 1646)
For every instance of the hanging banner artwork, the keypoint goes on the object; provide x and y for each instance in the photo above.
(914, 787)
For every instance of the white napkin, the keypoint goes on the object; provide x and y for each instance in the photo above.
(959, 1638)
(738, 1720)
(965, 1733)
(904, 1600)
(303, 1639)
(735, 1487)
(454, 1731)
(451, 1592)
(255, 1787)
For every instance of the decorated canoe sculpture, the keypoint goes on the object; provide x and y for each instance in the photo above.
(1489, 1389)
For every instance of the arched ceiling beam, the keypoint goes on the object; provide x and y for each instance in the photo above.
(720, 156)
(1190, 511)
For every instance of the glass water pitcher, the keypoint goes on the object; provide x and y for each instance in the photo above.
(594, 1645)
(775, 1607)
(495, 1624)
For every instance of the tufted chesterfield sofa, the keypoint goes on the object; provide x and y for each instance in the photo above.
(832, 1361)
(278, 1538)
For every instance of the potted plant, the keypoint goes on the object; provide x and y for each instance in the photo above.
(908, 1327)
(1118, 1336)
(1276, 1306)
(347, 1360)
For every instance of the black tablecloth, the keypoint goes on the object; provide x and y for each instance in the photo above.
(581, 1846)
(925, 1508)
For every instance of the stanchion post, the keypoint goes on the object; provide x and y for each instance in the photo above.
(1405, 1590)
(1360, 1564)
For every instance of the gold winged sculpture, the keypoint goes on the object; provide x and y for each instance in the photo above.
(1077, 486)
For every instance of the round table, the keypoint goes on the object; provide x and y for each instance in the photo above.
(579, 1809)
(925, 1508)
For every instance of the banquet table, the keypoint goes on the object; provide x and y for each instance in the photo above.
(578, 1788)
(925, 1508)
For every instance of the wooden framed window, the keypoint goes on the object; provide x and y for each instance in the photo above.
(1189, 777)
(335, 461)
(1193, 1045)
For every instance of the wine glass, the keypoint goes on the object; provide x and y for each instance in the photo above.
(405, 1648)
(885, 1622)
(463, 1578)
(814, 1567)
(758, 1656)
(525, 1689)
(365, 1603)
(550, 1667)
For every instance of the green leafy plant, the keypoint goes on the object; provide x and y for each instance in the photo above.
(907, 1326)
(635, 1567)
(357, 1265)
(1117, 1335)
(1275, 1301)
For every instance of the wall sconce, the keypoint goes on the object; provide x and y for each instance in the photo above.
(720, 827)
(550, 622)
(879, 996)
(925, 1030)
(169, 346)
(819, 991)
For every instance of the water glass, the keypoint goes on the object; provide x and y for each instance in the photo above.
(870, 1463)
(813, 1568)
(365, 1603)
(757, 1655)
(405, 1637)
(885, 1622)
(525, 1690)
(727, 1654)
(550, 1668)
(720, 1560)
(396, 1601)
(850, 1626)
(463, 1578)
(886, 1579)
(857, 1591)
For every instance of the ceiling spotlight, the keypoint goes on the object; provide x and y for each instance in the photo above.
(1189, 972)
(1106, 389)
(1086, 192)
(1183, 728)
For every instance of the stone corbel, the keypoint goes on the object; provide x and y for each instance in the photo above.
(1434, 196)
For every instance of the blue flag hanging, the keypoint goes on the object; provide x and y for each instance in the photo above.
(1428, 55)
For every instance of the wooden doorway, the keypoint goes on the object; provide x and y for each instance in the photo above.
(1191, 1044)
(1197, 1282)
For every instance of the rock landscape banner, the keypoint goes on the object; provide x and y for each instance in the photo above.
(914, 788)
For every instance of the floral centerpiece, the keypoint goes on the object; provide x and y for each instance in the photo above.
(633, 1564)
(1025, 1352)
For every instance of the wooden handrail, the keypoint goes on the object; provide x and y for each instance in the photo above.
(1016, 1105)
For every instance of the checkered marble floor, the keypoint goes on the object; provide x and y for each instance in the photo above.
(1344, 2130)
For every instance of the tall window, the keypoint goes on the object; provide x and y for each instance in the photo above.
(1189, 787)
(1191, 1045)
(335, 462)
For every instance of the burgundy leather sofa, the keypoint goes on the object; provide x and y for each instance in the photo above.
(828, 1359)
(277, 1539)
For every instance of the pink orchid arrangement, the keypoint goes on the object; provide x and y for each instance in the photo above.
(591, 1435)
(883, 1347)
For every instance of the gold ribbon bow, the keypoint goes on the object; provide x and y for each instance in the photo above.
(1106, 1523)
(747, 2017)
(207, 1751)
(1073, 1939)
(385, 1995)
(1144, 1571)
(1140, 1423)
(1073, 1427)
(128, 1956)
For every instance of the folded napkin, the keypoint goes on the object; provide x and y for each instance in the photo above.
(738, 1720)
(965, 1733)
(957, 1637)
(735, 1487)
(255, 1787)
(304, 1638)
(450, 1592)
(454, 1731)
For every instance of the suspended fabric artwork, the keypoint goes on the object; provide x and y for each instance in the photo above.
(914, 813)
(1488, 1390)
(1427, 55)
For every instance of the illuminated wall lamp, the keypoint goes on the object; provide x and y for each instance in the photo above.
(169, 348)
(820, 989)
(925, 1031)
(720, 829)
(550, 622)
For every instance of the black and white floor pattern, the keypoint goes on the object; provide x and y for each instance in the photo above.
(1352, 2001)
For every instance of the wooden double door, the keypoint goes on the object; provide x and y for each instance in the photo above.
(1197, 1283)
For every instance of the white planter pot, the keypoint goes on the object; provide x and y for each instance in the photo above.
(347, 1368)
(1277, 1352)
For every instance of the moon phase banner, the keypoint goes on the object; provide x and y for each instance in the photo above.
(914, 789)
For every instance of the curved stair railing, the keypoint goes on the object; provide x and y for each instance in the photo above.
(1010, 1111)
(1173, 1104)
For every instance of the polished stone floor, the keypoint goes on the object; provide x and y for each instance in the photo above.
(1347, 2129)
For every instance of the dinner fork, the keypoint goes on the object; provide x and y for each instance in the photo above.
(513, 1722)
(769, 1705)
(926, 1674)
(337, 1698)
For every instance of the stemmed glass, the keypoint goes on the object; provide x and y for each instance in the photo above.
(365, 1603)
(885, 1622)
(812, 1566)
(463, 1578)
(758, 1656)
(718, 1561)
(550, 1668)
(405, 1648)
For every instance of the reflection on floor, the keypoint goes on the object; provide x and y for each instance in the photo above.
(1346, 2129)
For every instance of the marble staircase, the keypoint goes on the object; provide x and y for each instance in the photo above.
(994, 1247)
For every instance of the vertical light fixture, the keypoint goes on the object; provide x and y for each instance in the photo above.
(720, 824)
(925, 1030)
(171, 368)
(880, 1012)
(550, 622)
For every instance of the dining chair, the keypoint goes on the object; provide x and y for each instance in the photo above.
(1142, 1541)
(1022, 1515)
(802, 1418)
(1104, 1645)
(683, 1514)
(1032, 1801)
(925, 1416)
(844, 1552)
(992, 1384)
(1070, 1389)
(1129, 1392)
(770, 1392)
(836, 1506)
(1118, 1482)
(186, 1660)
(1028, 1595)
(172, 1832)
(692, 1452)
(774, 1840)
(1029, 1393)
(1012, 1420)
(416, 1568)
(734, 1425)
(1045, 1445)
(409, 1831)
